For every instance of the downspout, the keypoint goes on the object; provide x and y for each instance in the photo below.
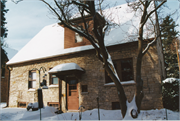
(65, 94)
(9, 69)
(60, 94)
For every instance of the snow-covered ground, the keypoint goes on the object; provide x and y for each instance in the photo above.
(48, 114)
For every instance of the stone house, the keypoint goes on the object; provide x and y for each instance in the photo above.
(73, 72)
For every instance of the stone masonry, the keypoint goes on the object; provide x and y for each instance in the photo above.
(94, 77)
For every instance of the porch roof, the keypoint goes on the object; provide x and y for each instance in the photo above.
(66, 67)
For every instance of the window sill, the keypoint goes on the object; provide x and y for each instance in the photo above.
(51, 86)
(31, 90)
(123, 83)
(109, 84)
(83, 93)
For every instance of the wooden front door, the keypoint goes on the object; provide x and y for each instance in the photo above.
(72, 94)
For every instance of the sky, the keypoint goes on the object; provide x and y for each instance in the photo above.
(28, 17)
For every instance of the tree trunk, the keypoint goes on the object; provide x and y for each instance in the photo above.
(120, 90)
(139, 82)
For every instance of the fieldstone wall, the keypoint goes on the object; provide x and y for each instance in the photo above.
(94, 77)
(19, 91)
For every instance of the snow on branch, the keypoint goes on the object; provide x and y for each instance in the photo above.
(148, 45)
(111, 66)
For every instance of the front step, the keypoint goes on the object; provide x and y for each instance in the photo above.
(73, 111)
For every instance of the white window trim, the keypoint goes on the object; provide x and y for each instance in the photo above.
(123, 83)
(52, 80)
(35, 80)
(31, 90)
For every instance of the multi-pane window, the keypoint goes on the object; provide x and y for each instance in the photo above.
(84, 88)
(124, 69)
(78, 38)
(32, 79)
(72, 87)
(53, 79)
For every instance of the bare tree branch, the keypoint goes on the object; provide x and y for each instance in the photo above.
(52, 10)
(61, 10)
(85, 24)
(80, 4)
(148, 45)
(152, 12)
(142, 3)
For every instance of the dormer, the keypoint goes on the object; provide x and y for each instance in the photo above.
(73, 39)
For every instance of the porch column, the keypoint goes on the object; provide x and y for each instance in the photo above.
(60, 94)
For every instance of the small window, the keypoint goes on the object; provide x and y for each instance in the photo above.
(53, 104)
(32, 79)
(22, 104)
(115, 105)
(84, 88)
(78, 38)
(53, 79)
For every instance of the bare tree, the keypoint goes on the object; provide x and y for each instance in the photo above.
(141, 51)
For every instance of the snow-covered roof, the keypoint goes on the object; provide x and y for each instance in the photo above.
(49, 42)
(65, 67)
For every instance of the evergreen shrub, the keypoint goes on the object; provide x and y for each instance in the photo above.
(170, 93)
